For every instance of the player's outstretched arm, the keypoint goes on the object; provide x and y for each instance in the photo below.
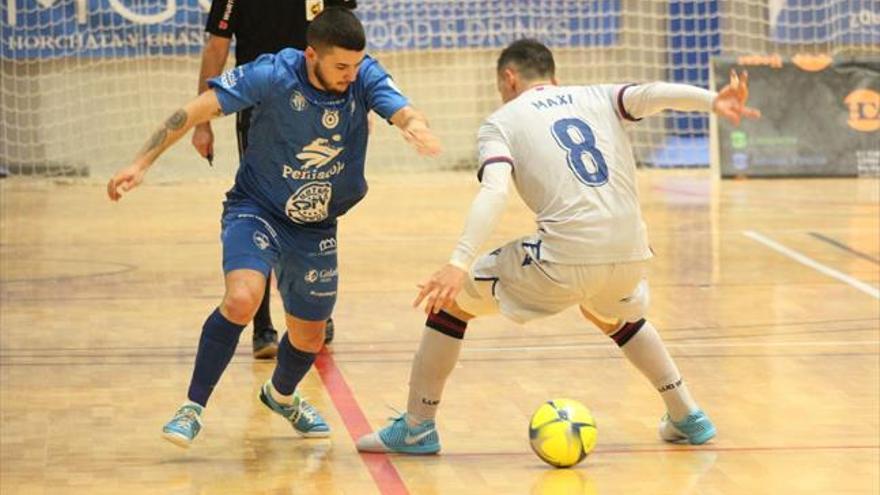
(644, 100)
(201, 109)
(731, 100)
(414, 127)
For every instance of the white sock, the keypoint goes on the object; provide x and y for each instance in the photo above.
(432, 365)
(284, 400)
(645, 350)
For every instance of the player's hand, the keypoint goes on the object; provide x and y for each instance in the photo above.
(126, 179)
(441, 289)
(421, 138)
(731, 100)
(203, 139)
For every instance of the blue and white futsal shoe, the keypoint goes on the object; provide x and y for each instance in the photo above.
(696, 429)
(305, 419)
(400, 438)
(184, 426)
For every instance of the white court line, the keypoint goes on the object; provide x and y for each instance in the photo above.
(800, 258)
(833, 343)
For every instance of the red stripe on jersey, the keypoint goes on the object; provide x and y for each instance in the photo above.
(491, 160)
(620, 108)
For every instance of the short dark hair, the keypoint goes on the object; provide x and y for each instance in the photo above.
(531, 58)
(336, 27)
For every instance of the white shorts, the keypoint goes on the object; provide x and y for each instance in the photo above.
(514, 281)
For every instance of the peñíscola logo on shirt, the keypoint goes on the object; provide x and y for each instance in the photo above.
(316, 161)
(318, 153)
(310, 203)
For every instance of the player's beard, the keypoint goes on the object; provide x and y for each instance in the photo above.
(324, 84)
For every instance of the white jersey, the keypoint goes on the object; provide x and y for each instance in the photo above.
(574, 168)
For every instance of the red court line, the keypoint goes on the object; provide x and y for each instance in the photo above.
(383, 472)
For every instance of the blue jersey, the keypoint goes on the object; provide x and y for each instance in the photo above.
(306, 148)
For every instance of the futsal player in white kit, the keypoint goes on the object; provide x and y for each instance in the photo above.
(566, 149)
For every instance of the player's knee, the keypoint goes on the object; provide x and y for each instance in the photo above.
(307, 338)
(240, 303)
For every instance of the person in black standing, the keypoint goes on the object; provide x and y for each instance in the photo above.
(259, 26)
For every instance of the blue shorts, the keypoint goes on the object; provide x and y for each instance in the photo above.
(304, 258)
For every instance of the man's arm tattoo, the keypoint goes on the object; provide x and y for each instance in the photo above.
(155, 141)
(174, 123)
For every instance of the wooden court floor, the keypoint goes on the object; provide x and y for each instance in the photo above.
(766, 292)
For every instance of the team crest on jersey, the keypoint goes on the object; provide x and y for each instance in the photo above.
(310, 203)
(330, 118)
(298, 102)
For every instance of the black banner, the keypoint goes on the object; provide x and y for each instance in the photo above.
(820, 117)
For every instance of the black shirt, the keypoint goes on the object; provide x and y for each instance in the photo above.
(265, 26)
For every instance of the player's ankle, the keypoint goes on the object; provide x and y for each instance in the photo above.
(412, 420)
(284, 400)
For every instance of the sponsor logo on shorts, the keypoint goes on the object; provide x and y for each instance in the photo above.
(310, 203)
(328, 244)
(261, 240)
(315, 293)
(324, 276)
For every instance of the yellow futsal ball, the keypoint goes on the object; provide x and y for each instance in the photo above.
(562, 432)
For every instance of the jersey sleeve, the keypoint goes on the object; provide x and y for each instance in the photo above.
(619, 101)
(484, 215)
(493, 146)
(636, 101)
(221, 18)
(246, 85)
(383, 96)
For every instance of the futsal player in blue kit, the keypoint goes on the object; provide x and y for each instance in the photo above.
(303, 168)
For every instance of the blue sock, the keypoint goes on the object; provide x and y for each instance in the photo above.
(216, 347)
(292, 366)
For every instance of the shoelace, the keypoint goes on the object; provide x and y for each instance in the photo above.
(186, 416)
(398, 412)
(307, 410)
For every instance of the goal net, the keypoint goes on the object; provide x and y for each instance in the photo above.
(83, 83)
